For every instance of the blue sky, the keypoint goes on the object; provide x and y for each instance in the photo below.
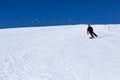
(16, 13)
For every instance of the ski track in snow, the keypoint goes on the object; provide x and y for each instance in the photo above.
(59, 53)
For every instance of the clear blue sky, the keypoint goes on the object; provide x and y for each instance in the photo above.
(16, 13)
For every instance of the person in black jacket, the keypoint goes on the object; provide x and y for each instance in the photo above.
(91, 32)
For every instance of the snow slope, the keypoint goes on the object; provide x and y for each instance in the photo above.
(60, 53)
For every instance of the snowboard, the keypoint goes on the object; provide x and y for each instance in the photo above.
(95, 37)
(91, 37)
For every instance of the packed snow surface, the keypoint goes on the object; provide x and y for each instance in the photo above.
(60, 53)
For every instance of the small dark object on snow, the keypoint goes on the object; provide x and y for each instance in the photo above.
(91, 37)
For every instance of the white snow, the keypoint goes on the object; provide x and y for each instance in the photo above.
(60, 53)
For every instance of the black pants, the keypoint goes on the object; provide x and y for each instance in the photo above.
(93, 34)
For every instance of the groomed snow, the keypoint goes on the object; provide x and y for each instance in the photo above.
(60, 53)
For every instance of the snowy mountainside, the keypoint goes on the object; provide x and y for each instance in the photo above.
(60, 53)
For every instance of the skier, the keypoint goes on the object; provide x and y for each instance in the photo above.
(91, 32)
